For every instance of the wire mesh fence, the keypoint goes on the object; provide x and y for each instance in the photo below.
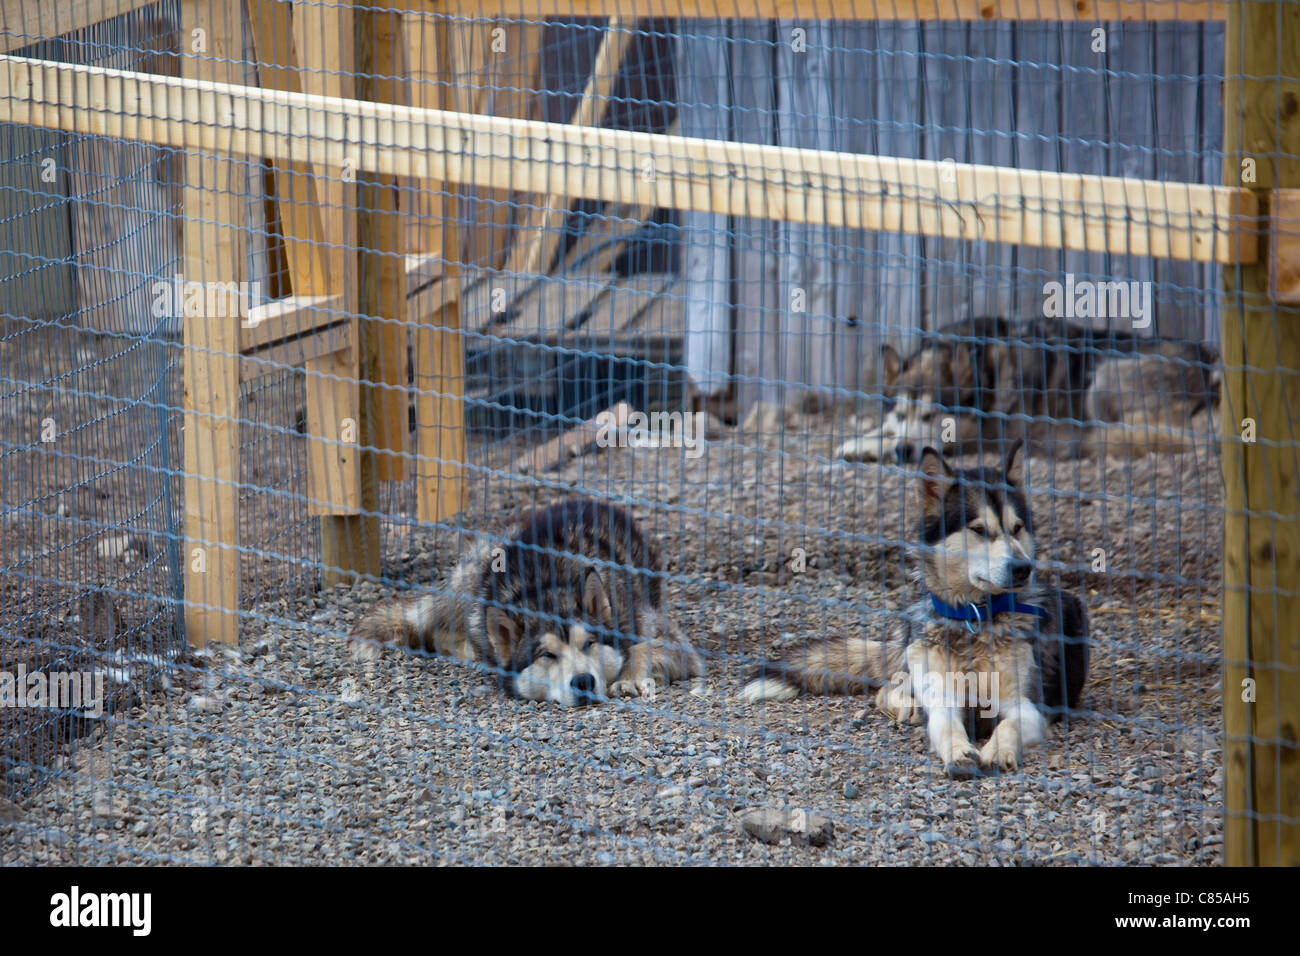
(564, 445)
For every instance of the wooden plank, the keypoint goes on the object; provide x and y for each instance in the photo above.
(810, 10)
(294, 353)
(325, 43)
(271, 28)
(554, 308)
(286, 318)
(213, 243)
(816, 187)
(1071, 113)
(706, 253)
(422, 307)
(494, 63)
(1284, 245)
(555, 452)
(752, 105)
(1261, 550)
(24, 22)
(596, 251)
(386, 328)
(422, 268)
(807, 277)
(619, 311)
(535, 244)
(441, 486)
(1186, 297)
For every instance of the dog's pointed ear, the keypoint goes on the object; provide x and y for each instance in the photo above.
(936, 478)
(595, 600)
(891, 364)
(502, 634)
(1014, 468)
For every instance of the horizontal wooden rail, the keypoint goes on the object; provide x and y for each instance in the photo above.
(24, 22)
(953, 200)
(1086, 11)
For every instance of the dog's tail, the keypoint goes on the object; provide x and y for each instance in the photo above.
(835, 665)
(416, 622)
(438, 623)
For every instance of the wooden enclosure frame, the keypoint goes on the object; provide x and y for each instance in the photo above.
(309, 121)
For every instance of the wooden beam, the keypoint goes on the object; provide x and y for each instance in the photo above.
(1261, 471)
(214, 194)
(1284, 245)
(1068, 10)
(290, 317)
(24, 22)
(598, 248)
(382, 233)
(919, 197)
(293, 353)
(295, 188)
(325, 44)
(441, 487)
(536, 241)
(493, 65)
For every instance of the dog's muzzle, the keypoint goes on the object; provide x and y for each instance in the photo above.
(1021, 572)
(584, 688)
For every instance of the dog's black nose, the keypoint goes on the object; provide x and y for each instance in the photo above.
(904, 452)
(584, 684)
(1021, 571)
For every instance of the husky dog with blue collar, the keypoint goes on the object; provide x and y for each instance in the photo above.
(987, 654)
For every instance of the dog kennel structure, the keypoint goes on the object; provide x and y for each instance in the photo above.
(371, 144)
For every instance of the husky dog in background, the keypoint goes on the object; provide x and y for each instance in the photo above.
(986, 648)
(566, 606)
(981, 384)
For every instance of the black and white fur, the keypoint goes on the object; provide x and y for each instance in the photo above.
(974, 540)
(565, 605)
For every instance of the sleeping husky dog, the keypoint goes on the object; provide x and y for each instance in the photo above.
(980, 384)
(565, 606)
(986, 648)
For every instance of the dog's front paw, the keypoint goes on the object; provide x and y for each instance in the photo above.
(364, 649)
(873, 447)
(899, 704)
(962, 760)
(645, 687)
(1001, 753)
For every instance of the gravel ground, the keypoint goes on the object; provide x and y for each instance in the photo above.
(289, 752)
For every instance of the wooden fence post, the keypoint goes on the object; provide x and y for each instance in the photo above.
(1261, 549)
(215, 203)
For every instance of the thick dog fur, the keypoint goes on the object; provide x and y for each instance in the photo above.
(566, 605)
(974, 541)
(981, 384)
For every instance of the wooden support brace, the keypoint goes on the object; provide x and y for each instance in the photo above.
(536, 241)
(295, 186)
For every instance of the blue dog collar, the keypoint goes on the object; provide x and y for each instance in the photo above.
(976, 614)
